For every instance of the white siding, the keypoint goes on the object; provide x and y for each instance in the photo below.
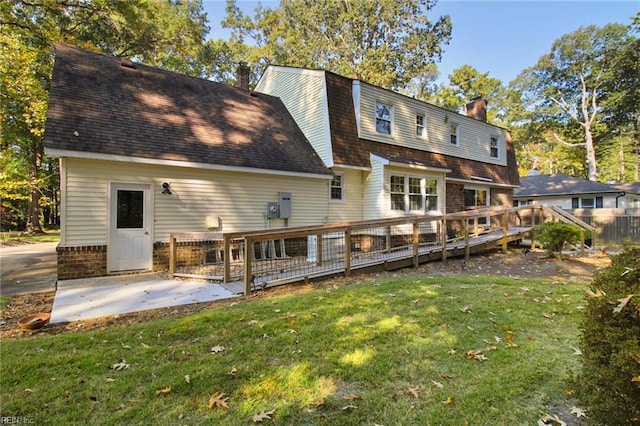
(304, 94)
(350, 208)
(473, 136)
(238, 199)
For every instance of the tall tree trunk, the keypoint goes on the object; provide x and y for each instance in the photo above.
(591, 154)
(34, 226)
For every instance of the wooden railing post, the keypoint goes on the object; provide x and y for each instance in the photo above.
(505, 227)
(347, 252)
(248, 258)
(227, 257)
(416, 246)
(387, 239)
(172, 255)
(466, 240)
(443, 224)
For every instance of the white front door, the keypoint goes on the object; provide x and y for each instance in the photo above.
(129, 246)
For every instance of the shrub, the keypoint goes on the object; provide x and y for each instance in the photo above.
(554, 235)
(609, 384)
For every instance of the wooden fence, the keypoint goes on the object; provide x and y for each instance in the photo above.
(614, 226)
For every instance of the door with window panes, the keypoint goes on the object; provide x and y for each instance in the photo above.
(476, 197)
(129, 247)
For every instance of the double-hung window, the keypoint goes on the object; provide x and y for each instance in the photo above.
(453, 133)
(397, 190)
(383, 118)
(421, 123)
(415, 194)
(337, 187)
(493, 147)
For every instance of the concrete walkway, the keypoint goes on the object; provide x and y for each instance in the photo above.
(84, 299)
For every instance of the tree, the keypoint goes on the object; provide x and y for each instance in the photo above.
(567, 85)
(168, 34)
(383, 42)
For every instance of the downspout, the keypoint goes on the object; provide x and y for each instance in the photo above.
(622, 194)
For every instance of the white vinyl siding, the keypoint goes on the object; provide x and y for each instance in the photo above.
(350, 208)
(304, 94)
(239, 200)
(473, 135)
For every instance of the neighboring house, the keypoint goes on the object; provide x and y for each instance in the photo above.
(393, 155)
(631, 198)
(566, 192)
(145, 153)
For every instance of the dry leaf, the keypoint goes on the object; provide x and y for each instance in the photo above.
(437, 384)
(217, 349)
(477, 355)
(265, 415)
(351, 397)
(636, 379)
(622, 304)
(547, 315)
(187, 378)
(232, 372)
(416, 392)
(218, 400)
(122, 365)
(465, 309)
(448, 401)
(579, 412)
(598, 293)
(319, 402)
(349, 407)
(164, 391)
(546, 420)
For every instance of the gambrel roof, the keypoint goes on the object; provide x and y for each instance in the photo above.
(109, 108)
(351, 150)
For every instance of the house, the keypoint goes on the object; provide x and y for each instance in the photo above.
(393, 155)
(566, 192)
(631, 198)
(145, 152)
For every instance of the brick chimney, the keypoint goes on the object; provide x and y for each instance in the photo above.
(242, 75)
(476, 108)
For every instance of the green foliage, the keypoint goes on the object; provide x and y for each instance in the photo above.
(383, 42)
(609, 383)
(554, 235)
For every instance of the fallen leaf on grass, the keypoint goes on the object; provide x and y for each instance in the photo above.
(218, 400)
(622, 304)
(477, 355)
(448, 401)
(122, 365)
(352, 397)
(547, 420)
(349, 407)
(265, 415)
(217, 349)
(187, 378)
(598, 293)
(165, 391)
(437, 384)
(579, 412)
(465, 309)
(636, 379)
(233, 372)
(415, 392)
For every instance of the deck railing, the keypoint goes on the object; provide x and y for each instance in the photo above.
(276, 256)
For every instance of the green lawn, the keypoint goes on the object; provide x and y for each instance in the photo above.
(411, 350)
(50, 236)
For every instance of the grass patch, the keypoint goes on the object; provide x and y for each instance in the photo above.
(50, 236)
(390, 352)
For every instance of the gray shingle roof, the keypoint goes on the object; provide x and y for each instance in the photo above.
(97, 105)
(559, 184)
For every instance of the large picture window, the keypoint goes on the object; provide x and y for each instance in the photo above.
(383, 118)
(413, 194)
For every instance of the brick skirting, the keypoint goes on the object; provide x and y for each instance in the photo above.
(81, 262)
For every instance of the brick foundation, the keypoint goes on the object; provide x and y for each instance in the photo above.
(82, 262)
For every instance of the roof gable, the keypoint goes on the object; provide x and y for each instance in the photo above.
(559, 184)
(104, 105)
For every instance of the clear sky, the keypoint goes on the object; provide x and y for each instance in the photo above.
(500, 37)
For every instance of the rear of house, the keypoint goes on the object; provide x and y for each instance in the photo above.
(145, 152)
(393, 155)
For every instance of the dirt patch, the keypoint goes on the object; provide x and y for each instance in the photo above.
(515, 263)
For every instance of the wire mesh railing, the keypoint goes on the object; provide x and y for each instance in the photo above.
(269, 257)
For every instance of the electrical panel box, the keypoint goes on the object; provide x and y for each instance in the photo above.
(272, 210)
(284, 202)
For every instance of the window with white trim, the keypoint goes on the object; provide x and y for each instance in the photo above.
(421, 126)
(383, 118)
(337, 187)
(413, 194)
(453, 133)
(587, 203)
(493, 147)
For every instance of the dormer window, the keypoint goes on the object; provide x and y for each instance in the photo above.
(453, 132)
(383, 118)
(421, 130)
